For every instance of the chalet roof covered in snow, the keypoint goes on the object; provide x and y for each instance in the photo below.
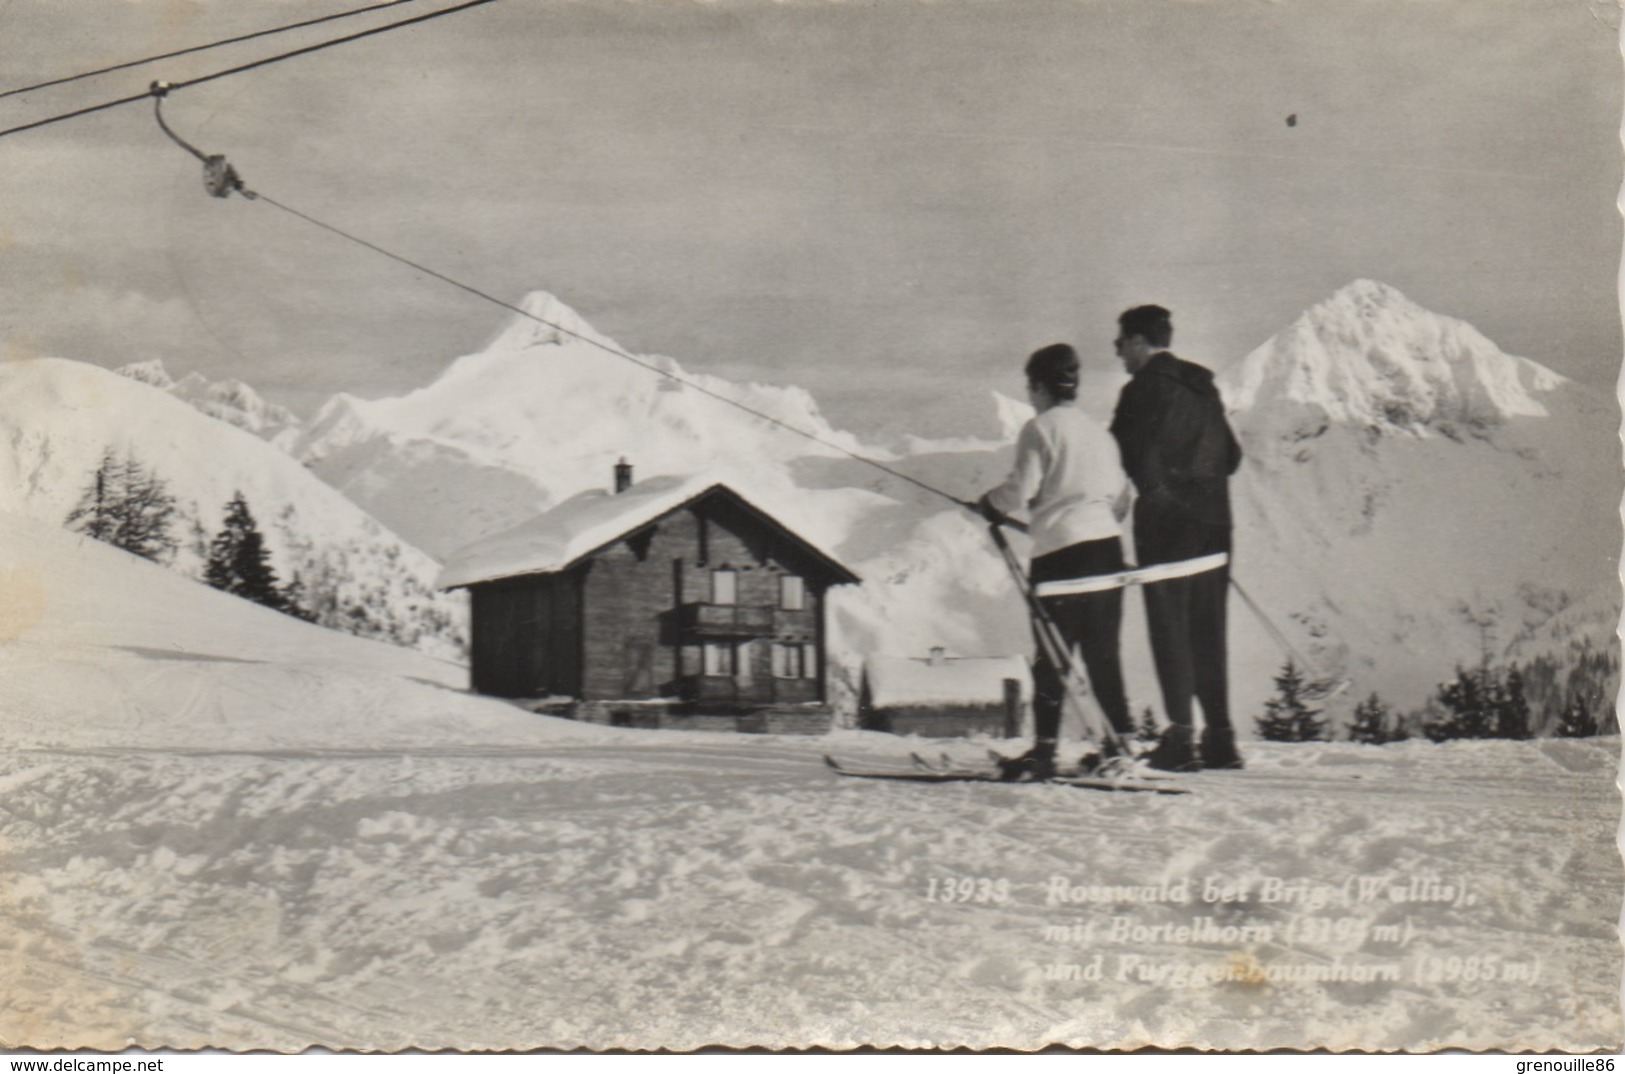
(560, 537)
(898, 681)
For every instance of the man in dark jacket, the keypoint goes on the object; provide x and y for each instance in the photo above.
(1180, 452)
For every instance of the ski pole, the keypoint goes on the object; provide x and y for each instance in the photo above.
(1056, 651)
(1325, 686)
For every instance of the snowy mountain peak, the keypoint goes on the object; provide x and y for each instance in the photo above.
(1370, 357)
(546, 321)
(542, 402)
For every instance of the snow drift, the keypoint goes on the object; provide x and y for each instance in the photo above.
(101, 648)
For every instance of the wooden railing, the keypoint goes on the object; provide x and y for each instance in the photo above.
(726, 620)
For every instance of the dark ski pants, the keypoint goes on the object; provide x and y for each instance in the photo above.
(1089, 622)
(1186, 617)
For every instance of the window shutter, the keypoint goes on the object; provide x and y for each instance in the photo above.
(809, 661)
(718, 658)
(724, 587)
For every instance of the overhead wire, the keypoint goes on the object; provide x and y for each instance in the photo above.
(202, 48)
(250, 66)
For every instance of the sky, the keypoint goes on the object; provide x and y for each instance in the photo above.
(888, 203)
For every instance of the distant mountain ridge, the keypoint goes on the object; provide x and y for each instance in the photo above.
(1404, 480)
(229, 400)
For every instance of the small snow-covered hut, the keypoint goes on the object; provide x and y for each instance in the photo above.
(941, 696)
(674, 601)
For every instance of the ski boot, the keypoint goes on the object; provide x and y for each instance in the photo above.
(1035, 766)
(1219, 748)
(1175, 751)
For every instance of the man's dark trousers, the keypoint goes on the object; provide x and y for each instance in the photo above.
(1186, 616)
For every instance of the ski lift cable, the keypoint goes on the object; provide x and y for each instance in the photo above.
(249, 66)
(201, 48)
(1322, 686)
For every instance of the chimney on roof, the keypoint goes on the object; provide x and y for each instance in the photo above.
(939, 656)
(623, 475)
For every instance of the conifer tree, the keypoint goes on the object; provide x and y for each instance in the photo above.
(127, 507)
(1373, 722)
(1595, 679)
(1488, 703)
(1146, 729)
(1511, 708)
(1464, 711)
(238, 562)
(1288, 716)
(1576, 721)
(93, 514)
(294, 600)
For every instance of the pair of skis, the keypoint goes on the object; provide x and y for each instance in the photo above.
(948, 770)
(1117, 773)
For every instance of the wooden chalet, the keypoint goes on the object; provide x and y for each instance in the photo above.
(661, 604)
(941, 696)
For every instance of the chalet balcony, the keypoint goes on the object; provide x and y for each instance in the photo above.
(724, 689)
(801, 622)
(726, 620)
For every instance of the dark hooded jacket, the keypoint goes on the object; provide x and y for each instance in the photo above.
(1176, 445)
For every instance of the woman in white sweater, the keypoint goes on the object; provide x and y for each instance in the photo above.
(1069, 480)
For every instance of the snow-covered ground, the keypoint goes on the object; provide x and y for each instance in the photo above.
(222, 826)
(665, 891)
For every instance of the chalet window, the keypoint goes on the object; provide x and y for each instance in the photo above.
(809, 661)
(724, 587)
(792, 593)
(742, 661)
(719, 658)
(787, 662)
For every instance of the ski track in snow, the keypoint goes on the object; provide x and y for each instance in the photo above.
(686, 890)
